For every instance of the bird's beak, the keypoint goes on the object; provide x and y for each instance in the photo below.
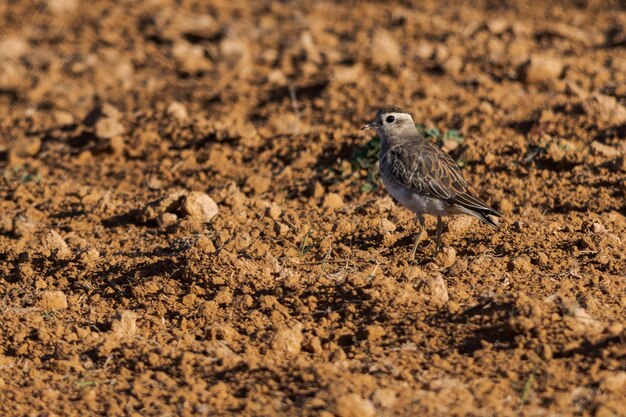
(368, 126)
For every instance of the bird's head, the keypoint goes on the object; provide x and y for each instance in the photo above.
(391, 122)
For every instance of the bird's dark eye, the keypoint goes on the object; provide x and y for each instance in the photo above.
(390, 119)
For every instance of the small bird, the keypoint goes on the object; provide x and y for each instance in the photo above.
(422, 177)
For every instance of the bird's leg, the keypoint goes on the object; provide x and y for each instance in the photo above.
(438, 235)
(420, 219)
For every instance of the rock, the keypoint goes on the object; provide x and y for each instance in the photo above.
(429, 283)
(505, 206)
(107, 128)
(288, 340)
(89, 256)
(424, 50)
(353, 405)
(62, 7)
(63, 118)
(258, 184)
(460, 224)
(125, 326)
(346, 74)
(604, 110)
(55, 247)
(372, 332)
(224, 296)
(199, 206)
(166, 220)
(446, 257)
(190, 58)
(521, 264)
(541, 69)
(333, 201)
(598, 148)
(24, 148)
(498, 25)
(385, 397)
(177, 111)
(274, 211)
(614, 382)
(195, 205)
(386, 226)
(117, 144)
(53, 300)
(385, 50)
(23, 226)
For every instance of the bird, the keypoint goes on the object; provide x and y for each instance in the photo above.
(422, 177)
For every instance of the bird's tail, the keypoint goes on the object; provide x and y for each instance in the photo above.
(469, 204)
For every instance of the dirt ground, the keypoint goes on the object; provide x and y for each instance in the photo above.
(191, 221)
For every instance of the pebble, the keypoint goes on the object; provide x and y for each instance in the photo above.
(521, 264)
(125, 325)
(288, 340)
(55, 247)
(385, 50)
(353, 405)
(53, 300)
(614, 382)
(108, 127)
(333, 201)
(598, 148)
(542, 69)
(446, 257)
(177, 111)
(199, 206)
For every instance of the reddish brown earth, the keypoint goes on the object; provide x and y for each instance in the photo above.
(122, 295)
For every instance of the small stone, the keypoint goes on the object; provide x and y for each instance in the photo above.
(385, 50)
(446, 257)
(424, 50)
(117, 144)
(430, 284)
(53, 300)
(258, 184)
(353, 405)
(615, 329)
(166, 220)
(23, 226)
(177, 111)
(333, 201)
(224, 297)
(89, 255)
(199, 206)
(506, 206)
(107, 128)
(274, 211)
(521, 264)
(604, 110)
(372, 332)
(598, 148)
(189, 300)
(460, 224)
(125, 326)
(385, 397)
(25, 148)
(614, 382)
(386, 226)
(63, 118)
(55, 247)
(288, 340)
(498, 26)
(541, 69)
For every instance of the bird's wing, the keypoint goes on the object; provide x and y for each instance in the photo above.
(421, 166)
